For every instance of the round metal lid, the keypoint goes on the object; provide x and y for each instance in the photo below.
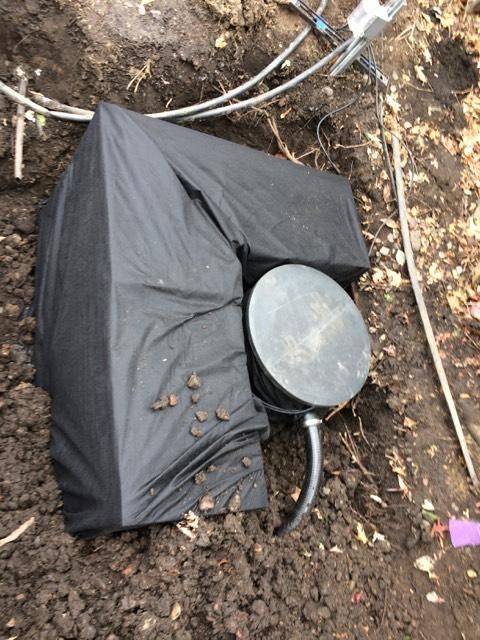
(308, 335)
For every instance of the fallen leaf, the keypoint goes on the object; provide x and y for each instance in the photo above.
(400, 257)
(434, 598)
(189, 525)
(419, 72)
(438, 529)
(220, 42)
(394, 278)
(475, 310)
(378, 536)
(176, 611)
(425, 564)
(361, 535)
(295, 494)
(427, 505)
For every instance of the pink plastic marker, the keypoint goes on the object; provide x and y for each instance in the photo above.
(464, 532)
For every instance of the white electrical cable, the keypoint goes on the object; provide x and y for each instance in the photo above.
(238, 106)
(83, 115)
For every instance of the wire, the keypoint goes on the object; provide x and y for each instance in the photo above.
(289, 412)
(233, 93)
(83, 115)
(338, 110)
(268, 95)
(321, 121)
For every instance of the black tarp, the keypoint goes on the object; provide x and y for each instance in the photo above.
(146, 247)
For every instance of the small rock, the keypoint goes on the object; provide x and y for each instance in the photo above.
(161, 403)
(200, 477)
(247, 462)
(195, 397)
(260, 608)
(211, 468)
(194, 381)
(257, 549)
(325, 613)
(196, 432)
(222, 414)
(234, 503)
(201, 416)
(172, 400)
(206, 503)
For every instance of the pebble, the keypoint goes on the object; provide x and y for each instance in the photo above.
(222, 414)
(234, 503)
(247, 462)
(201, 416)
(206, 503)
(161, 403)
(195, 397)
(196, 432)
(200, 477)
(194, 381)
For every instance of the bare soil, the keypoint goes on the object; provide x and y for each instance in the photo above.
(235, 580)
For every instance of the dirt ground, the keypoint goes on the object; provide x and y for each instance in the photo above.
(348, 572)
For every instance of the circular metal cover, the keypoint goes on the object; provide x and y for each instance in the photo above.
(308, 335)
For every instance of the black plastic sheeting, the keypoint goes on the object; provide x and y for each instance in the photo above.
(146, 247)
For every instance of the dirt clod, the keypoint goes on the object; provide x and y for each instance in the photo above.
(196, 432)
(172, 400)
(206, 503)
(200, 477)
(201, 416)
(195, 397)
(160, 404)
(194, 381)
(222, 414)
(234, 503)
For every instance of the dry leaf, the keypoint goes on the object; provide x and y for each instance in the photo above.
(295, 494)
(361, 535)
(176, 611)
(409, 423)
(220, 42)
(425, 564)
(434, 598)
(419, 72)
(394, 278)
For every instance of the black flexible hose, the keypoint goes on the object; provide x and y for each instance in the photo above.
(313, 474)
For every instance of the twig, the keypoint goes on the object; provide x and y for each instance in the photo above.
(412, 270)
(19, 132)
(353, 451)
(281, 144)
(55, 105)
(362, 432)
(336, 410)
(18, 532)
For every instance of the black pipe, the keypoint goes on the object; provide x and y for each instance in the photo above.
(313, 474)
